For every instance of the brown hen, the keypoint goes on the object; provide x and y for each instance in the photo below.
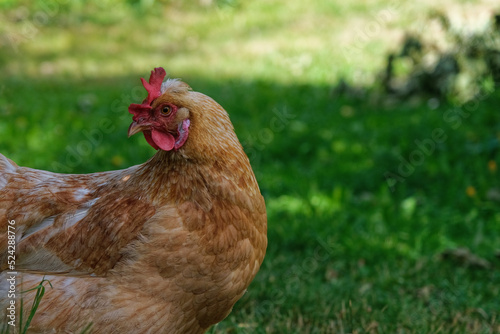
(168, 246)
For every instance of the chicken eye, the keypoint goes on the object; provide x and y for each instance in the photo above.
(166, 110)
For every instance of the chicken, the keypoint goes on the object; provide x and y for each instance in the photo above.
(168, 246)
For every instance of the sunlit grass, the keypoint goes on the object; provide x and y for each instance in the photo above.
(299, 42)
(348, 251)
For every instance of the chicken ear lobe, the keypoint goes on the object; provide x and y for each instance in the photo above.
(183, 132)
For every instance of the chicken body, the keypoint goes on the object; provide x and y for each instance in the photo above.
(168, 246)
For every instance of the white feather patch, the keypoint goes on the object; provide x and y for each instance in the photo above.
(91, 202)
(81, 193)
(79, 215)
(43, 260)
(47, 222)
(5, 168)
(69, 222)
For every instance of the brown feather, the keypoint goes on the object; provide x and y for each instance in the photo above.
(164, 247)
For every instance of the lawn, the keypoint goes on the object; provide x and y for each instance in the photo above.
(383, 217)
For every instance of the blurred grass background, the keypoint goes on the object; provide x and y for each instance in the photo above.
(355, 246)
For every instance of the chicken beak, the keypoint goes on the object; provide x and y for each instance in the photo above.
(136, 127)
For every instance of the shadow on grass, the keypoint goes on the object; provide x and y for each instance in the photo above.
(361, 197)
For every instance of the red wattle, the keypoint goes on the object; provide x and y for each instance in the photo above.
(163, 140)
(149, 139)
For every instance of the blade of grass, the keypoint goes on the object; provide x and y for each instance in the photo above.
(40, 292)
(21, 311)
(5, 328)
(87, 329)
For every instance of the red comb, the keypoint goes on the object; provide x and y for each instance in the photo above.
(153, 87)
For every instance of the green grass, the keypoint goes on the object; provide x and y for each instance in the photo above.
(349, 251)
(40, 292)
(22, 326)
